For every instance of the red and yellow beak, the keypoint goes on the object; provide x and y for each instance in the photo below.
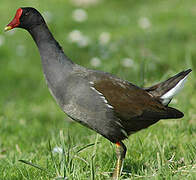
(7, 28)
(15, 22)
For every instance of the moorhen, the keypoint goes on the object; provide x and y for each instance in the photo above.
(113, 107)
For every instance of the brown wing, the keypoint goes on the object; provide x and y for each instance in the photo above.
(128, 100)
(136, 108)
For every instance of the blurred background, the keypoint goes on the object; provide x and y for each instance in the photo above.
(141, 41)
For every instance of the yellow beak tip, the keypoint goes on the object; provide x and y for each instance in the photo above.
(7, 28)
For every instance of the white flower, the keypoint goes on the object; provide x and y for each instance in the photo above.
(57, 150)
(77, 37)
(47, 16)
(127, 62)
(20, 50)
(144, 22)
(104, 38)
(95, 61)
(83, 42)
(2, 40)
(85, 3)
(79, 15)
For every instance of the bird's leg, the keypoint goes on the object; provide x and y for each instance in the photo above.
(120, 153)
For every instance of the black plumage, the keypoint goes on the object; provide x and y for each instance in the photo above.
(103, 102)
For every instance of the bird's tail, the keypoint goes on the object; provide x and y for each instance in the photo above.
(165, 91)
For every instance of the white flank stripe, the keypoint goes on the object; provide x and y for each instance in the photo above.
(172, 92)
(102, 97)
(96, 91)
(110, 106)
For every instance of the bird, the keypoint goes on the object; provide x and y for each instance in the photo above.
(101, 101)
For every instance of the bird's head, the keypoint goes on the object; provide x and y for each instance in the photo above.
(25, 18)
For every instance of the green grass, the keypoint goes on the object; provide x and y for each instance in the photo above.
(31, 124)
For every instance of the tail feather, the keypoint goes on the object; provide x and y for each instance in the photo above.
(174, 113)
(166, 90)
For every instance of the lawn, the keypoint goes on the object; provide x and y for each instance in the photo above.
(141, 41)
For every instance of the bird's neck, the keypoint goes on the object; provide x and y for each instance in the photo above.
(50, 50)
(56, 65)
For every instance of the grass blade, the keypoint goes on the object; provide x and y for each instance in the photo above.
(85, 147)
(34, 165)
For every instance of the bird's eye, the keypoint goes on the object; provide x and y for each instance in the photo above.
(26, 14)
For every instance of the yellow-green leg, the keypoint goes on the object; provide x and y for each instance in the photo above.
(120, 153)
